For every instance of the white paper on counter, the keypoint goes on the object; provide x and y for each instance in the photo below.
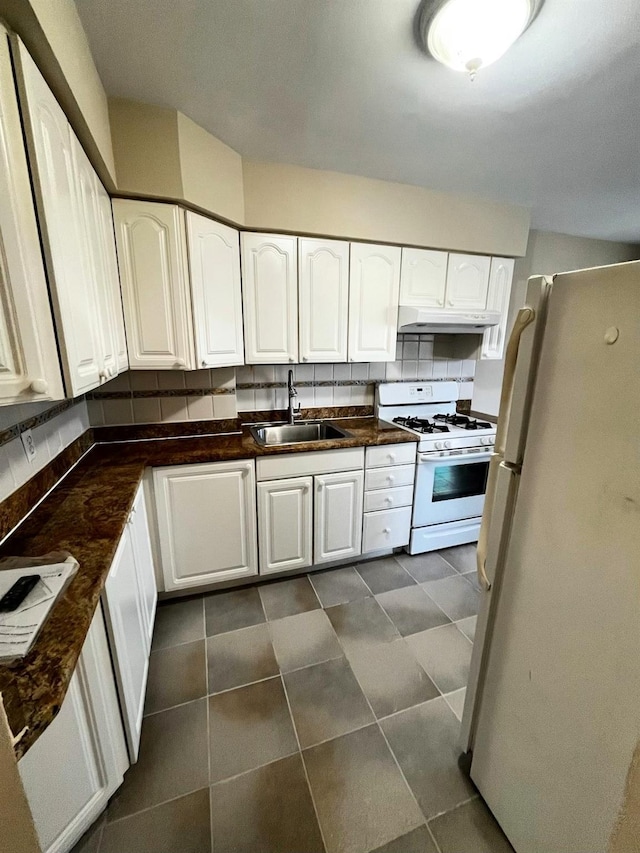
(19, 629)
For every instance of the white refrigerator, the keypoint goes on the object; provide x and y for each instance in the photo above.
(552, 711)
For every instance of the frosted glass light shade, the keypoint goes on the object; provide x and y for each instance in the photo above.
(467, 35)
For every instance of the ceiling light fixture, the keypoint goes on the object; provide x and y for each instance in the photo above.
(468, 35)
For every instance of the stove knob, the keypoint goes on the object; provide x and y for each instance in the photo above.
(447, 444)
(439, 445)
(486, 440)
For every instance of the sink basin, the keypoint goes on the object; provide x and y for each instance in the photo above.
(296, 433)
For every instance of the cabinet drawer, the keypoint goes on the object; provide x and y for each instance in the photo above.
(309, 463)
(388, 498)
(390, 454)
(388, 529)
(388, 478)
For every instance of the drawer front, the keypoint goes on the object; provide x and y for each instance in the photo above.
(388, 529)
(390, 454)
(305, 464)
(388, 498)
(389, 478)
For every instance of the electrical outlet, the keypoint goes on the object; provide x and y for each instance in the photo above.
(29, 445)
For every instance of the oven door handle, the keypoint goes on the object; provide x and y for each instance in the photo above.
(463, 457)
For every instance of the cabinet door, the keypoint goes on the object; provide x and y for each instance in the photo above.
(500, 279)
(323, 292)
(374, 286)
(112, 276)
(29, 365)
(95, 262)
(206, 522)
(79, 761)
(467, 282)
(423, 278)
(145, 570)
(151, 243)
(127, 626)
(270, 298)
(285, 524)
(338, 516)
(74, 298)
(214, 264)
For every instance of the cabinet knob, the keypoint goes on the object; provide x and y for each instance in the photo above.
(387, 530)
(179, 364)
(304, 358)
(440, 301)
(391, 457)
(450, 302)
(390, 478)
(39, 386)
(203, 363)
(388, 500)
(103, 375)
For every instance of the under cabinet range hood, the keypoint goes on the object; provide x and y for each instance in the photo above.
(417, 320)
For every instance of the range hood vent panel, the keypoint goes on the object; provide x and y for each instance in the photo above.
(415, 320)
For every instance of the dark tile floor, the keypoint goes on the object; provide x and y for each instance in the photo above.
(318, 713)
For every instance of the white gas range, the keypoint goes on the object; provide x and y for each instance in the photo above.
(452, 462)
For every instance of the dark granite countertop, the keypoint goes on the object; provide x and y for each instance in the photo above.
(85, 515)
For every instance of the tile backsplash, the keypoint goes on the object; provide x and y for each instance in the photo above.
(54, 427)
(143, 396)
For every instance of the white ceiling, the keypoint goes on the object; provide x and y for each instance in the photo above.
(341, 84)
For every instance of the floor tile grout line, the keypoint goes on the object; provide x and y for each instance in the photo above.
(457, 806)
(252, 769)
(157, 805)
(206, 686)
(304, 766)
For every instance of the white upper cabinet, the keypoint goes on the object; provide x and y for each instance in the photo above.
(151, 242)
(423, 278)
(214, 264)
(62, 228)
(206, 522)
(323, 293)
(500, 279)
(467, 282)
(29, 365)
(374, 286)
(112, 277)
(270, 298)
(94, 256)
(285, 524)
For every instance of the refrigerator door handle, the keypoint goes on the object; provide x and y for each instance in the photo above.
(525, 317)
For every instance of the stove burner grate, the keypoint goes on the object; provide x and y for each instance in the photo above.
(462, 421)
(422, 425)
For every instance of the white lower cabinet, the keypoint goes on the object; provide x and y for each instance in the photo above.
(206, 522)
(388, 499)
(285, 524)
(387, 529)
(129, 600)
(76, 765)
(338, 516)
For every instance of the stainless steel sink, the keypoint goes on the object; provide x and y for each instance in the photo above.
(296, 433)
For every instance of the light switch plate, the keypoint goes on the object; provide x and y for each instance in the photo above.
(29, 445)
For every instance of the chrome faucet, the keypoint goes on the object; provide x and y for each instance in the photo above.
(293, 411)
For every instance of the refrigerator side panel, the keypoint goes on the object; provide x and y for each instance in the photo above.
(558, 719)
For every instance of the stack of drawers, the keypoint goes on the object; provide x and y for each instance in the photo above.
(388, 497)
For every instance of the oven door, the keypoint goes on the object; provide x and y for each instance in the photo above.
(450, 488)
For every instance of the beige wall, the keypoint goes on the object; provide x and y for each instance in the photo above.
(146, 150)
(547, 253)
(53, 34)
(17, 831)
(211, 171)
(163, 153)
(292, 198)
